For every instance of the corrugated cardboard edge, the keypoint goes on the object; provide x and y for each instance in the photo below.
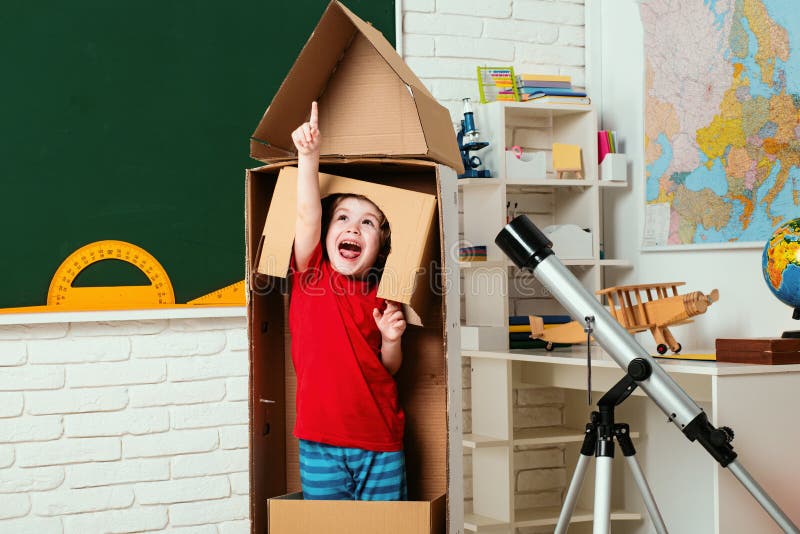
(448, 229)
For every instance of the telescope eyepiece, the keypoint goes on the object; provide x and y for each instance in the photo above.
(524, 243)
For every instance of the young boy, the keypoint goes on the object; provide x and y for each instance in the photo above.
(345, 345)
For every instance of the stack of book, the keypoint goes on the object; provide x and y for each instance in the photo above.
(476, 253)
(519, 331)
(549, 88)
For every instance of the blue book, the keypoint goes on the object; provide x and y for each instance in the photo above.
(517, 320)
(555, 91)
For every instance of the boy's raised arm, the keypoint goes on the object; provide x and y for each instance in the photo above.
(309, 209)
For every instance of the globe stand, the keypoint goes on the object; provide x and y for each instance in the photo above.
(793, 334)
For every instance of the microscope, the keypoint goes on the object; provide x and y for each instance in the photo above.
(469, 140)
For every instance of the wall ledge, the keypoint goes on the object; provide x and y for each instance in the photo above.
(198, 312)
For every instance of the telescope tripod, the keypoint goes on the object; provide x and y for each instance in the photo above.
(601, 431)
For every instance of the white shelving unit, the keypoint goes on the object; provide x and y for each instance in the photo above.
(569, 200)
(557, 201)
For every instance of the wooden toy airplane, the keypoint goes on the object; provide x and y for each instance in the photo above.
(639, 307)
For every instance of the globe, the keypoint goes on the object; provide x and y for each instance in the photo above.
(780, 264)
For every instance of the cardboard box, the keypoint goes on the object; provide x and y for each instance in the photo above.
(374, 115)
(370, 102)
(429, 381)
(410, 216)
(289, 514)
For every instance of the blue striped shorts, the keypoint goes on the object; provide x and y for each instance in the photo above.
(343, 473)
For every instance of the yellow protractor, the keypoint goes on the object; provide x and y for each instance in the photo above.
(64, 295)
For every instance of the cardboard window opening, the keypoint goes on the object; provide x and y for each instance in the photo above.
(410, 214)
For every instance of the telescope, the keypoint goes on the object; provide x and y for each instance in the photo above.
(530, 250)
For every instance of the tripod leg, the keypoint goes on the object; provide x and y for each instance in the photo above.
(602, 495)
(572, 494)
(587, 451)
(647, 496)
(623, 434)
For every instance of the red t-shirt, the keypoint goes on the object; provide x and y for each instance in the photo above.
(345, 396)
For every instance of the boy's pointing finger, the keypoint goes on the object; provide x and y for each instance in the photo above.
(314, 120)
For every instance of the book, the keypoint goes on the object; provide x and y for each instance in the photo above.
(519, 336)
(516, 328)
(602, 146)
(543, 78)
(552, 99)
(543, 83)
(545, 91)
(547, 319)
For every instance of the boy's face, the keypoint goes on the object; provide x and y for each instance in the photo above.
(353, 238)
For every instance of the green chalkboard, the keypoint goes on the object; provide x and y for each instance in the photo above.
(130, 120)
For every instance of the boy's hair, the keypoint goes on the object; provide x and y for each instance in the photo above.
(329, 205)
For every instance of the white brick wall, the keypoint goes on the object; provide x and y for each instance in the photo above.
(124, 426)
(443, 42)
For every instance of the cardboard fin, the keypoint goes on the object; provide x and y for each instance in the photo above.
(439, 132)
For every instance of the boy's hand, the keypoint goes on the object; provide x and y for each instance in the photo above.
(391, 322)
(307, 137)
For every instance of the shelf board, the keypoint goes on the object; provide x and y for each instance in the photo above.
(479, 523)
(551, 435)
(588, 262)
(478, 181)
(556, 109)
(581, 262)
(555, 182)
(612, 183)
(486, 263)
(548, 516)
(477, 441)
(615, 263)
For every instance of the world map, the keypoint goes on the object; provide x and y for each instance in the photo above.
(722, 101)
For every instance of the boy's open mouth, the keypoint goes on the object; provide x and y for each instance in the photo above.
(349, 250)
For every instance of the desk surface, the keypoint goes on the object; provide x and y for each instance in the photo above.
(600, 359)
